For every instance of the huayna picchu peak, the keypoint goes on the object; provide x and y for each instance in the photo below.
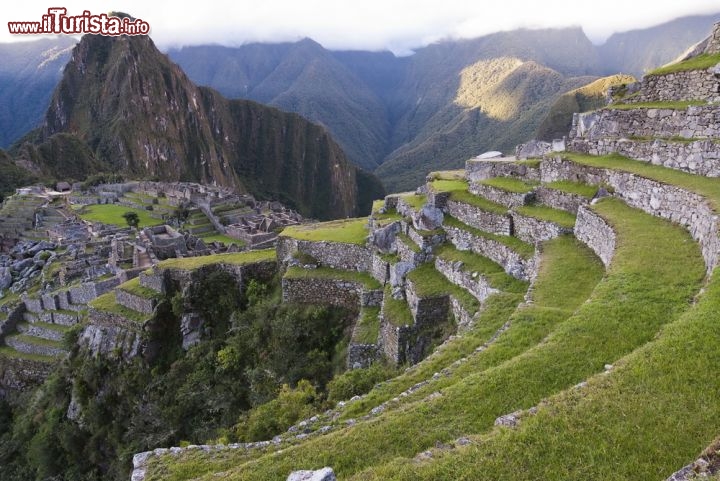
(554, 314)
(140, 115)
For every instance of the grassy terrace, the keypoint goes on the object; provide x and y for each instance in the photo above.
(415, 201)
(37, 341)
(568, 274)
(701, 62)
(9, 352)
(491, 271)
(458, 190)
(48, 325)
(585, 190)
(626, 311)
(215, 237)
(107, 303)
(363, 278)
(368, 327)
(429, 282)
(673, 105)
(111, 214)
(133, 287)
(458, 174)
(509, 184)
(522, 248)
(396, 311)
(542, 212)
(238, 258)
(348, 231)
(409, 242)
(652, 415)
(706, 186)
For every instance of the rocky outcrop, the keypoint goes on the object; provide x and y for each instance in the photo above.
(324, 474)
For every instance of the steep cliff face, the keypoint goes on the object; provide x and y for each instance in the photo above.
(140, 114)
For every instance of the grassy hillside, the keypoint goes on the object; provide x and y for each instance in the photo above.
(588, 97)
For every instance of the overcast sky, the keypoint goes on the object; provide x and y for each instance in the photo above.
(397, 25)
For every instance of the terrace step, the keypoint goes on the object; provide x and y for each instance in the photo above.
(43, 330)
(34, 345)
(504, 191)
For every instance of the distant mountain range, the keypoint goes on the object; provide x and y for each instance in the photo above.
(122, 106)
(404, 116)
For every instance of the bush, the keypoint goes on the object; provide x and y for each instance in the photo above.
(358, 381)
(278, 415)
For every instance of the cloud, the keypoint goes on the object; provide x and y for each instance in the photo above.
(398, 25)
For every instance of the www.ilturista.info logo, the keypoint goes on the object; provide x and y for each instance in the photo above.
(58, 22)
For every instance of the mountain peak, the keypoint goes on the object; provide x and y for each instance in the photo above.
(140, 114)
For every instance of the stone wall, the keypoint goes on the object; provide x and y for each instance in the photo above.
(404, 209)
(512, 262)
(473, 282)
(134, 302)
(394, 340)
(362, 355)
(20, 375)
(533, 231)
(337, 255)
(322, 291)
(34, 348)
(560, 200)
(480, 219)
(111, 341)
(408, 254)
(14, 316)
(154, 279)
(500, 196)
(379, 268)
(692, 122)
(486, 169)
(714, 41)
(596, 233)
(686, 208)
(463, 318)
(700, 157)
(426, 311)
(681, 86)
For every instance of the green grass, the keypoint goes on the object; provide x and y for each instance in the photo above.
(328, 273)
(415, 201)
(50, 326)
(701, 62)
(222, 238)
(388, 217)
(585, 190)
(708, 187)
(458, 190)
(409, 242)
(672, 105)
(429, 282)
(107, 303)
(348, 231)
(37, 341)
(491, 271)
(626, 310)
(10, 353)
(534, 163)
(524, 249)
(368, 328)
(653, 414)
(390, 258)
(510, 184)
(458, 174)
(396, 311)
(542, 212)
(237, 258)
(418, 425)
(111, 214)
(133, 287)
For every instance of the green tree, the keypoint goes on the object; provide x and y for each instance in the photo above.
(131, 218)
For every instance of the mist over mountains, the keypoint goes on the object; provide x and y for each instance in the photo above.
(404, 116)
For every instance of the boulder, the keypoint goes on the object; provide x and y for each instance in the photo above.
(324, 474)
(532, 149)
(384, 237)
(429, 218)
(5, 278)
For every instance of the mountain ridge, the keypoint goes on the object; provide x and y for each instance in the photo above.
(140, 115)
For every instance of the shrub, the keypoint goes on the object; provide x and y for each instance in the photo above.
(358, 381)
